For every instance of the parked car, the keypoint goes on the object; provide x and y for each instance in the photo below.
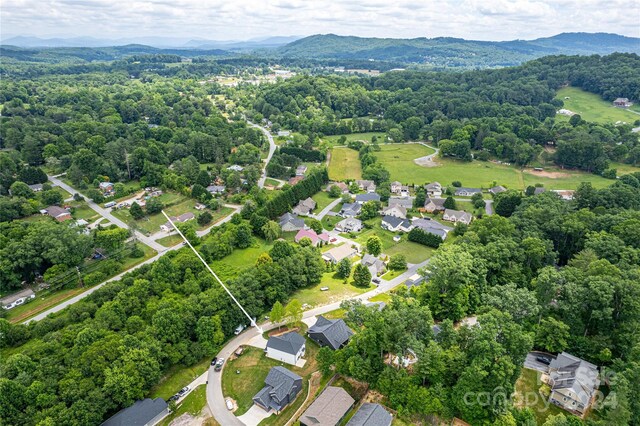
(239, 329)
(219, 364)
(174, 397)
(183, 391)
(375, 280)
(229, 404)
(214, 360)
(544, 360)
(239, 351)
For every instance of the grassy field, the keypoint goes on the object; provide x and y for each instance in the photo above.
(399, 161)
(254, 367)
(169, 240)
(322, 200)
(344, 164)
(592, 107)
(337, 291)
(177, 377)
(240, 259)
(272, 182)
(81, 210)
(527, 395)
(414, 252)
(192, 404)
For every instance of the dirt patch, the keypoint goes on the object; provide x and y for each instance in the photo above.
(546, 174)
(282, 330)
(204, 418)
(426, 161)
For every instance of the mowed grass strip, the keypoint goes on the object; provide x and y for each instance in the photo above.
(344, 164)
(592, 107)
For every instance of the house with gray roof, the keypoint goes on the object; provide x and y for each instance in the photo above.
(333, 333)
(369, 196)
(216, 189)
(58, 213)
(371, 415)
(497, 189)
(349, 224)
(281, 388)
(16, 299)
(406, 202)
(350, 210)
(36, 187)
(336, 254)
(146, 412)
(431, 226)
(375, 265)
(366, 185)
(433, 189)
(288, 347)
(329, 408)
(467, 192)
(457, 216)
(538, 190)
(289, 222)
(305, 207)
(573, 382)
(396, 224)
(395, 210)
(434, 205)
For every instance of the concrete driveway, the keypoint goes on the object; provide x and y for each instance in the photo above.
(533, 364)
(254, 416)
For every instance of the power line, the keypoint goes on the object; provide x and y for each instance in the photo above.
(251, 320)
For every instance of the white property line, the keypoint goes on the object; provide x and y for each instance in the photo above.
(251, 321)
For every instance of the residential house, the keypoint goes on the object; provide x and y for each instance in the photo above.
(289, 222)
(281, 387)
(369, 196)
(235, 168)
(432, 205)
(288, 347)
(406, 202)
(539, 190)
(216, 189)
(565, 194)
(305, 207)
(106, 187)
(374, 264)
(457, 216)
(200, 206)
(573, 382)
(36, 187)
(328, 409)
(370, 414)
(184, 217)
(497, 189)
(313, 236)
(301, 170)
(432, 227)
(622, 103)
(395, 187)
(395, 210)
(414, 280)
(146, 412)
(467, 192)
(349, 224)
(58, 213)
(332, 333)
(336, 254)
(344, 188)
(17, 299)
(396, 224)
(433, 189)
(350, 210)
(366, 185)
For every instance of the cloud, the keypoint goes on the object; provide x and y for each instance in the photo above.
(243, 19)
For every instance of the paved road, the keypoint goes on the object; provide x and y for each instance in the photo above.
(107, 215)
(327, 209)
(488, 207)
(272, 149)
(81, 296)
(215, 398)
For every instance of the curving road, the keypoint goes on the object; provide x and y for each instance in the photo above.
(215, 398)
(272, 149)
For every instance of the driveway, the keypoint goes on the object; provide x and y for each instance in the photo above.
(327, 209)
(533, 364)
(272, 149)
(254, 416)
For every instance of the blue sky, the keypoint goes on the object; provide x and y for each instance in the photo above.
(244, 19)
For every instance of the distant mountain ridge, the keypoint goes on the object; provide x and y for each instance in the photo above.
(447, 51)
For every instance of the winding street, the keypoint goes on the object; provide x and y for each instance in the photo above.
(215, 398)
(272, 149)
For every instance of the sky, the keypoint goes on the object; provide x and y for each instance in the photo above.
(246, 19)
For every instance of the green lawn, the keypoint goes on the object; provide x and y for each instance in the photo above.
(240, 259)
(178, 377)
(398, 158)
(322, 200)
(81, 210)
(62, 192)
(592, 107)
(414, 252)
(271, 182)
(170, 240)
(344, 164)
(391, 274)
(527, 395)
(192, 404)
(337, 291)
